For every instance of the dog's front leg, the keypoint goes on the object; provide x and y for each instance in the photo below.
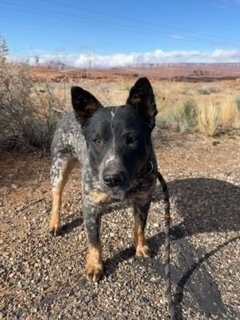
(92, 220)
(141, 208)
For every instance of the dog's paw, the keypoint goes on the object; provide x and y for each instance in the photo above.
(55, 228)
(142, 251)
(94, 272)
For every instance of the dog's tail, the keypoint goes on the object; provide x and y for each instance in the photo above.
(167, 247)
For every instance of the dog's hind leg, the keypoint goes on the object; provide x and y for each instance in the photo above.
(61, 167)
(141, 208)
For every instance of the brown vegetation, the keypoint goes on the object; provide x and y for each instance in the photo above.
(32, 99)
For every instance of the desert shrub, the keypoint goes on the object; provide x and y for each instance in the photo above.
(229, 112)
(165, 118)
(182, 116)
(164, 121)
(237, 101)
(27, 120)
(208, 117)
(187, 116)
(208, 89)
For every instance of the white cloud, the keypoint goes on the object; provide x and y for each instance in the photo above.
(125, 60)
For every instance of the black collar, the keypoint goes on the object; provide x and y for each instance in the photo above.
(148, 168)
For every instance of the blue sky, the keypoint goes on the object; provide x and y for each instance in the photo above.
(114, 33)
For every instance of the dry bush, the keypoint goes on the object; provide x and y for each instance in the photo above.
(181, 116)
(27, 120)
(187, 116)
(208, 110)
(238, 103)
(169, 100)
(215, 116)
(208, 89)
(208, 117)
(229, 112)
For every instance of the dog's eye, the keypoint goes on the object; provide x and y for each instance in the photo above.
(130, 139)
(98, 142)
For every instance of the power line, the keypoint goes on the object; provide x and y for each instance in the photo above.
(135, 20)
(74, 18)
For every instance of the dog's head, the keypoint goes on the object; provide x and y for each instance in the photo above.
(118, 138)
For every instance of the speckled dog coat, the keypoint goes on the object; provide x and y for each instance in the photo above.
(114, 147)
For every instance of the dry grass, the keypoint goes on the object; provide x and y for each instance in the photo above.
(208, 117)
(215, 106)
(209, 89)
(229, 113)
(29, 110)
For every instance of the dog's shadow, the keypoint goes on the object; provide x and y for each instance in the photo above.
(70, 226)
(206, 205)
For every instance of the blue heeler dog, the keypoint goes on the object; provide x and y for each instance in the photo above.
(114, 146)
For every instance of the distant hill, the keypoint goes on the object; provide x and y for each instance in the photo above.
(180, 72)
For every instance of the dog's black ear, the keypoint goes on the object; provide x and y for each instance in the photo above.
(84, 104)
(141, 96)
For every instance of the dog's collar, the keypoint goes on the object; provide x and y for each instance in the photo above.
(148, 168)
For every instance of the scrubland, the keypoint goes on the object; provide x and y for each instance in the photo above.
(31, 108)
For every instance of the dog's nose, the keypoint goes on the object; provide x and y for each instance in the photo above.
(112, 180)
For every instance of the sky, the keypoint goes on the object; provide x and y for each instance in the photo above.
(103, 33)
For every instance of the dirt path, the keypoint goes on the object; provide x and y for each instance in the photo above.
(42, 277)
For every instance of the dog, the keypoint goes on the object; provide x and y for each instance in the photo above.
(114, 147)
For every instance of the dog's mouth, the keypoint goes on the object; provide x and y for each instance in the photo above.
(116, 193)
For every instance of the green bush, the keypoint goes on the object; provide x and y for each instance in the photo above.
(208, 89)
(238, 103)
(182, 117)
(187, 116)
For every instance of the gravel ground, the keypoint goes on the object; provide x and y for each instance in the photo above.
(42, 277)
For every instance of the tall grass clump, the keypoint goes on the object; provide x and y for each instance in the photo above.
(180, 116)
(210, 109)
(208, 89)
(238, 104)
(208, 117)
(186, 116)
(229, 112)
